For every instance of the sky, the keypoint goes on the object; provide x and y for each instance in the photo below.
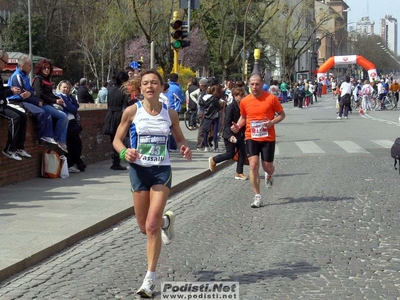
(375, 9)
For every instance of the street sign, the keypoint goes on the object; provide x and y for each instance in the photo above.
(194, 4)
(134, 65)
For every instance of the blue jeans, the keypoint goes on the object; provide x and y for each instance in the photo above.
(61, 127)
(44, 122)
(284, 96)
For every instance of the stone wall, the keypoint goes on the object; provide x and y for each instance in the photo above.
(96, 146)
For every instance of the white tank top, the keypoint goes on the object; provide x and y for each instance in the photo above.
(149, 135)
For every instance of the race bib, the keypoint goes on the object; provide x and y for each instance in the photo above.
(258, 130)
(152, 149)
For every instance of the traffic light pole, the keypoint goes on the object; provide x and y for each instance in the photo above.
(175, 68)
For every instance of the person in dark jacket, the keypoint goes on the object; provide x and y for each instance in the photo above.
(117, 102)
(16, 119)
(212, 107)
(83, 92)
(51, 104)
(234, 142)
(191, 103)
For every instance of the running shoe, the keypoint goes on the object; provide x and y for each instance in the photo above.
(12, 155)
(269, 181)
(147, 288)
(48, 140)
(23, 153)
(167, 234)
(211, 164)
(73, 169)
(62, 146)
(207, 149)
(257, 202)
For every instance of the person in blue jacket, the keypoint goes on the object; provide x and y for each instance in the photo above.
(176, 98)
(74, 142)
(25, 98)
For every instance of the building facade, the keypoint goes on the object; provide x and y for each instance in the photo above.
(365, 26)
(389, 32)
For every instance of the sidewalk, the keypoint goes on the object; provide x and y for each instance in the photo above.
(41, 217)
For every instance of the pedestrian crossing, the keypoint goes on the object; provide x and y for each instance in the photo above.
(296, 148)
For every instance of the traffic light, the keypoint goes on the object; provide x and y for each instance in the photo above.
(139, 65)
(179, 33)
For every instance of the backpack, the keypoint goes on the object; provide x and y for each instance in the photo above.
(395, 152)
(51, 164)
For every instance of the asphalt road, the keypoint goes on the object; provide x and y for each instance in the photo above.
(329, 228)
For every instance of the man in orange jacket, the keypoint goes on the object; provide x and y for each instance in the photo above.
(395, 88)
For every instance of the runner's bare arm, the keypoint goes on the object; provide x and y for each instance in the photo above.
(118, 143)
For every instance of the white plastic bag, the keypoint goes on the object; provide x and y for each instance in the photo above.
(64, 167)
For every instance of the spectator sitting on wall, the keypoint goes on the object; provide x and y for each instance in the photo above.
(16, 119)
(20, 82)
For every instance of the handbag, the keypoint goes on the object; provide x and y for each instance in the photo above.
(64, 173)
(236, 158)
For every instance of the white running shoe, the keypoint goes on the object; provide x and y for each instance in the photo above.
(207, 149)
(168, 234)
(62, 146)
(257, 202)
(269, 181)
(23, 153)
(48, 140)
(12, 155)
(147, 288)
(73, 169)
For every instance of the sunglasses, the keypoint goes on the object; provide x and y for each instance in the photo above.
(4, 61)
(46, 68)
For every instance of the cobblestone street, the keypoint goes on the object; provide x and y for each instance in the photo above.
(328, 230)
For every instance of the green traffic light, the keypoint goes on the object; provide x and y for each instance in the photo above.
(177, 44)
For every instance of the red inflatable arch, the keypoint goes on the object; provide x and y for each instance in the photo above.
(347, 60)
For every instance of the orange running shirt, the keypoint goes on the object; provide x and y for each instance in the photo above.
(257, 110)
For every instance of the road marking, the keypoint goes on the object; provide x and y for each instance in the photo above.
(367, 116)
(384, 143)
(309, 147)
(350, 147)
(276, 150)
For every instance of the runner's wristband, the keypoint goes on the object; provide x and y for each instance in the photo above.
(122, 154)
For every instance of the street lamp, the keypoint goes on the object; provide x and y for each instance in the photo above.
(30, 38)
(244, 41)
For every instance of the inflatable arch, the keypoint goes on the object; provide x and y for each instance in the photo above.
(347, 60)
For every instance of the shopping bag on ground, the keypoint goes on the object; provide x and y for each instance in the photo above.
(51, 164)
(64, 173)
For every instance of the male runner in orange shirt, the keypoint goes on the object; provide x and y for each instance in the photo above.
(260, 111)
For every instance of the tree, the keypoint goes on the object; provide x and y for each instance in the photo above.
(100, 39)
(293, 31)
(16, 36)
(368, 47)
(223, 23)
